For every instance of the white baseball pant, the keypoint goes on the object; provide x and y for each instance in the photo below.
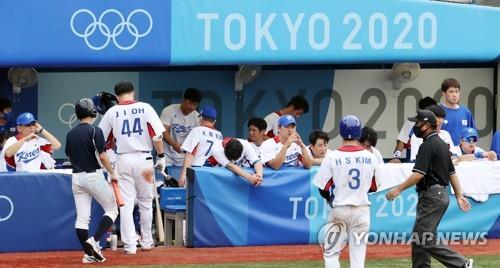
(134, 187)
(357, 220)
(88, 185)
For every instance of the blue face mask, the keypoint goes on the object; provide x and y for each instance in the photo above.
(8, 116)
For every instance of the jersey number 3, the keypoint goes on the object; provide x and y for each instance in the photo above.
(354, 174)
(136, 127)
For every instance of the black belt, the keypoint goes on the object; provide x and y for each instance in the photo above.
(87, 171)
(428, 187)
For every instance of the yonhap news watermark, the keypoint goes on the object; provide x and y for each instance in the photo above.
(334, 236)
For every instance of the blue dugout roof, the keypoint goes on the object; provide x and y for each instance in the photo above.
(93, 33)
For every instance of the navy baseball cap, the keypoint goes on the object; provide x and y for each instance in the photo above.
(424, 116)
(286, 120)
(469, 134)
(25, 119)
(208, 111)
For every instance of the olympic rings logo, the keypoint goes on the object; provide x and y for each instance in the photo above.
(11, 208)
(71, 119)
(67, 116)
(105, 30)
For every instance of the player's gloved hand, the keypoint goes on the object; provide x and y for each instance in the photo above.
(160, 162)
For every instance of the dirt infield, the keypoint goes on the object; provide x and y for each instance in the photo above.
(162, 255)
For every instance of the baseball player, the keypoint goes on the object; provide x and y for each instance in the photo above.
(136, 128)
(368, 140)
(198, 144)
(257, 133)
(403, 139)
(85, 150)
(286, 149)
(7, 118)
(458, 116)
(351, 169)
(468, 149)
(32, 147)
(318, 146)
(178, 120)
(297, 106)
(234, 154)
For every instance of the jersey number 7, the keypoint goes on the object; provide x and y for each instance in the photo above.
(136, 128)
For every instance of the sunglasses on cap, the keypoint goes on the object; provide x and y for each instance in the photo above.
(30, 124)
(471, 139)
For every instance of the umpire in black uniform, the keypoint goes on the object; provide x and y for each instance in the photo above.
(432, 173)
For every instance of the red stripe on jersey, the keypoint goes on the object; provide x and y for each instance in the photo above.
(350, 148)
(151, 131)
(46, 148)
(328, 185)
(373, 187)
(127, 102)
(194, 150)
(110, 141)
(212, 162)
(11, 162)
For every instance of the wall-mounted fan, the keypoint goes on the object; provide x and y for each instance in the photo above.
(245, 74)
(404, 72)
(22, 78)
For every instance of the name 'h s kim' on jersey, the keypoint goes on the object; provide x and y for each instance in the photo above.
(350, 170)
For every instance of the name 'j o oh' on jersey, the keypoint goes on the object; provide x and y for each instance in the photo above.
(132, 125)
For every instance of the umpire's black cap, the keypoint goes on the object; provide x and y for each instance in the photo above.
(424, 116)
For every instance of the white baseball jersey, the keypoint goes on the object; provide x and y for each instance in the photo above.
(416, 142)
(29, 156)
(180, 126)
(132, 124)
(378, 155)
(256, 148)
(351, 169)
(247, 159)
(271, 147)
(3, 164)
(200, 142)
(272, 123)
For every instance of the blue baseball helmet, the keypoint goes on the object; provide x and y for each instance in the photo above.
(103, 101)
(209, 112)
(350, 127)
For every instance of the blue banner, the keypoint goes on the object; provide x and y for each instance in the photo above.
(37, 212)
(193, 32)
(224, 210)
(85, 33)
(343, 31)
